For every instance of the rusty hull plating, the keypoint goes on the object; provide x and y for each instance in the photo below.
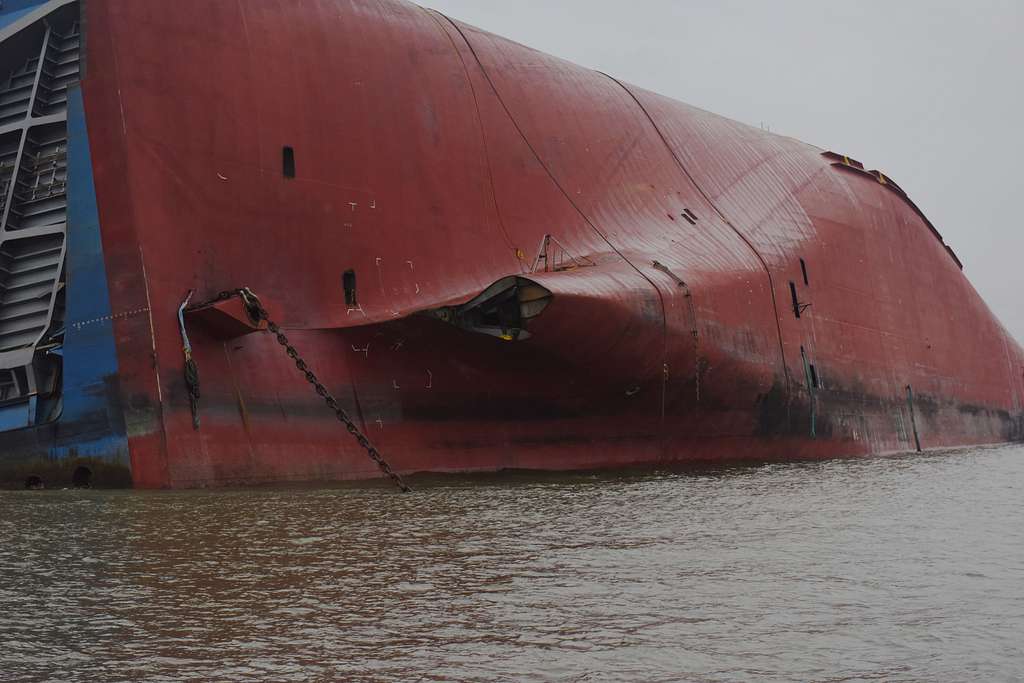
(494, 258)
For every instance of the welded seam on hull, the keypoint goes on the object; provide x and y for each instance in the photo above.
(156, 368)
(483, 133)
(714, 206)
(163, 463)
(568, 198)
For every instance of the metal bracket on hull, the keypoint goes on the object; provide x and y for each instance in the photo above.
(224, 319)
(556, 261)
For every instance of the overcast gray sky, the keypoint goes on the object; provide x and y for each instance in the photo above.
(929, 92)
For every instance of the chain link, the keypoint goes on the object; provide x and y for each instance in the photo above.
(221, 296)
(258, 314)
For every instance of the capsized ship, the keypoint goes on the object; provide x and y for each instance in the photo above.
(492, 258)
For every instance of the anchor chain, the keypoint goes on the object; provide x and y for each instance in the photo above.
(257, 313)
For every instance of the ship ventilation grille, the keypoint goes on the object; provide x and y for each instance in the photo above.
(44, 58)
(29, 273)
(9, 145)
(17, 92)
(40, 195)
(60, 69)
(14, 385)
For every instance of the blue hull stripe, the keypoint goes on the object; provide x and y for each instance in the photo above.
(92, 422)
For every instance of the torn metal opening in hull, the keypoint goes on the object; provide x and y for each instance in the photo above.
(503, 310)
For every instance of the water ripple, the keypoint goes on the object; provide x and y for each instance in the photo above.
(907, 568)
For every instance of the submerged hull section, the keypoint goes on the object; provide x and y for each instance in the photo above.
(493, 258)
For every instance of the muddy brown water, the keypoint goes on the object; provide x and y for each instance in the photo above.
(902, 568)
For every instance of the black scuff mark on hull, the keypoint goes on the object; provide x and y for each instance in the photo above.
(1015, 428)
(574, 440)
(59, 474)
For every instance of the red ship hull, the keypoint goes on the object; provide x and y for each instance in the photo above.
(710, 292)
